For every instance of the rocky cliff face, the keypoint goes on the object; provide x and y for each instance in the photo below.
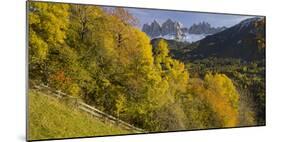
(176, 31)
(153, 30)
(168, 28)
(204, 28)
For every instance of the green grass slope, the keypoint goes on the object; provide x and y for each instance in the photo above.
(49, 118)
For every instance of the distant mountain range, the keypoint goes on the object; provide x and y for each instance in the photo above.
(176, 31)
(243, 40)
(240, 41)
(204, 28)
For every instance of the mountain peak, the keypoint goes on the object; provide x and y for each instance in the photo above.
(169, 27)
(155, 21)
(169, 20)
(204, 28)
(239, 41)
(176, 30)
(248, 22)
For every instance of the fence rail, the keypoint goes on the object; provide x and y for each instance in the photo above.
(89, 109)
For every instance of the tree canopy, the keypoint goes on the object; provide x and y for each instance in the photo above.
(101, 57)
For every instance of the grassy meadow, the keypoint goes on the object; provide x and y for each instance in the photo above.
(50, 119)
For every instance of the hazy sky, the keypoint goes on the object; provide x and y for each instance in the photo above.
(186, 18)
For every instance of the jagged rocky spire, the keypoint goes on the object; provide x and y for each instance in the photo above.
(176, 30)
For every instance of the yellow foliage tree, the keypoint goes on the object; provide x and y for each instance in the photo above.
(223, 98)
(47, 26)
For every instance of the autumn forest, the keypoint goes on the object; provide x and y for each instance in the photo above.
(100, 56)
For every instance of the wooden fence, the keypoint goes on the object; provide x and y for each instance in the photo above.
(89, 109)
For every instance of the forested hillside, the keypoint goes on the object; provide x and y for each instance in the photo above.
(100, 56)
(239, 53)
